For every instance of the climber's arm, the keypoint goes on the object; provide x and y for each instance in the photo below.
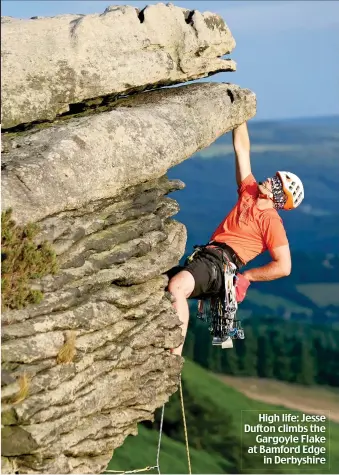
(241, 144)
(279, 267)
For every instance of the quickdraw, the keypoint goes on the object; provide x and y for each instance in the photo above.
(196, 250)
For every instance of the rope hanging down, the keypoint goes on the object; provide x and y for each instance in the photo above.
(185, 428)
(157, 466)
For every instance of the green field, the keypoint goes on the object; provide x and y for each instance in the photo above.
(275, 302)
(290, 395)
(224, 432)
(321, 294)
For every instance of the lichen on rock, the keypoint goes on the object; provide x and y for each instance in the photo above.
(22, 260)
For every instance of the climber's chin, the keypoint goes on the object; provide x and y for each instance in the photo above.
(265, 187)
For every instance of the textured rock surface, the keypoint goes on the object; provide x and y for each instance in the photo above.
(83, 367)
(67, 59)
(110, 293)
(95, 157)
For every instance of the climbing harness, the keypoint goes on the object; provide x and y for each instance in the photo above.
(157, 466)
(219, 311)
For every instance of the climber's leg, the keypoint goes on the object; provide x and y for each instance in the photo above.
(181, 287)
(199, 277)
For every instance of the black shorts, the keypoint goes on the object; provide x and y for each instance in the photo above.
(207, 270)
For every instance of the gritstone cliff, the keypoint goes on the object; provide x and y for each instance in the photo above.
(85, 149)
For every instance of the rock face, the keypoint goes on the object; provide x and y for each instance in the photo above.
(89, 362)
(66, 59)
(97, 156)
(110, 293)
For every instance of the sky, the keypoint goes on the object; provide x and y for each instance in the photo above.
(286, 52)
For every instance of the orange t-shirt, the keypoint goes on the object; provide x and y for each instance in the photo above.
(249, 231)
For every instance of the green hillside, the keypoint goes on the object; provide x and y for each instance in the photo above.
(141, 451)
(274, 348)
(215, 415)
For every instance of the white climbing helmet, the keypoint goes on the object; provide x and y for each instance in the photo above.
(293, 189)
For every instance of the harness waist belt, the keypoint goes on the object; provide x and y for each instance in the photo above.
(232, 254)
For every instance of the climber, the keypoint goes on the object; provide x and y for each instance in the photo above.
(252, 227)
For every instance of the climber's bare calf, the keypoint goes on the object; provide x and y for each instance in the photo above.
(181, 286)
